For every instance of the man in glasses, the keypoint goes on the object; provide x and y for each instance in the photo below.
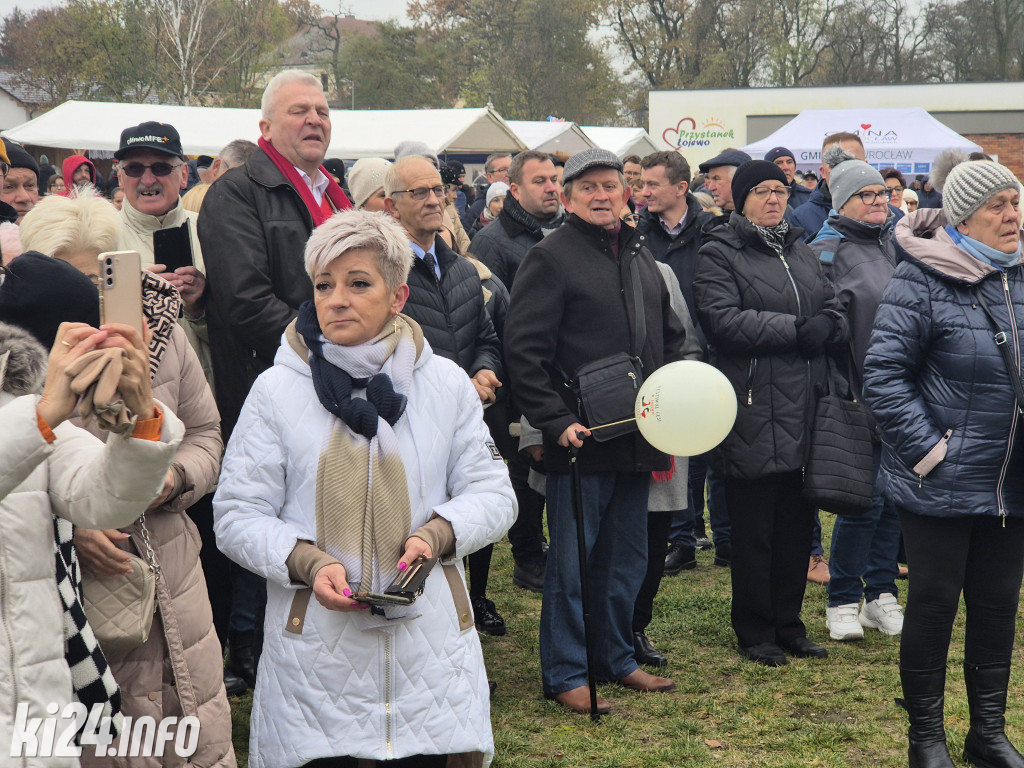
(446, 300)
(7, 212)
(152, 173)
(21, 180)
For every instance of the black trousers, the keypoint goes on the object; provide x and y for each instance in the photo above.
(771, 542)
(527, 533)
(975, 555)
(658, 526)
(416, 761)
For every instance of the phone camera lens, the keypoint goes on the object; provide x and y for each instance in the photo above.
(110, 281)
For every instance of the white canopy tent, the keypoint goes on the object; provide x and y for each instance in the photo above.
(907, 139)
(87, 125)
(551, 136)
(621, 141)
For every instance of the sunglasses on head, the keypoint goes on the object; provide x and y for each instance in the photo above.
(136, 170)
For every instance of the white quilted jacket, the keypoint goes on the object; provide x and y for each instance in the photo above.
(92, 485)
(340, 689)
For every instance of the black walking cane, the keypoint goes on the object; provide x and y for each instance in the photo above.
(581, 542)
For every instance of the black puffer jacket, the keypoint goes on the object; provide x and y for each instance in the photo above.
(253, 229)
(572, 303)
(748, 300)
(452, 312)
(502, 246)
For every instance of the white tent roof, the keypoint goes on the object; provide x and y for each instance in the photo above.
(907, 139)
(85, 125)
(621, 141)
(551, 136)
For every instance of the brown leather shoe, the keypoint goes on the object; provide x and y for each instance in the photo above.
(578, 700)
(639, 680)
(817, 570)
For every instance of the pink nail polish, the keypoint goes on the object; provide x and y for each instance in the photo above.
(347, 592)
(402, 566)
(364, 607)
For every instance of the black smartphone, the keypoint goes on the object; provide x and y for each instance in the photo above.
(405, 589)
(172, 247)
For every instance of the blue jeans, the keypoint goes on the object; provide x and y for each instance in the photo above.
(864, 551)
(615, 522)
(718, 513)
(816, 547)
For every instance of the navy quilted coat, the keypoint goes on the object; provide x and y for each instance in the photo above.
(748, 300)
(936, 382)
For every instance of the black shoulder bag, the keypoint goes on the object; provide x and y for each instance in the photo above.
(839, 476)
(607, 388)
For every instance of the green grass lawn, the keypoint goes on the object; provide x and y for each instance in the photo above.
(725, 711)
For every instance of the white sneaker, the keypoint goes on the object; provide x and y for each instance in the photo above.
(883, 614)
(842, 623)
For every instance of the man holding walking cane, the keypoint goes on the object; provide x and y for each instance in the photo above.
(587, 291)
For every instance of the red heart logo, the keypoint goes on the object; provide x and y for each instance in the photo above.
(665, 134)
(865, 126)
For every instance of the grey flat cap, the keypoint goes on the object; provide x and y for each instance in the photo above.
(728, 157)
(583, 161)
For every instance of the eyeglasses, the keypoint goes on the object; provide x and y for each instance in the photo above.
(869, 197)
(781, 193)
(137, 170)
(420, 193)
(500, 172)
(897, 188)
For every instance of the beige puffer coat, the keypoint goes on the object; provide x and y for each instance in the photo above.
(179, 670)
(81, 480)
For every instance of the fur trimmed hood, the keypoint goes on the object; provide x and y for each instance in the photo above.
(22, 362)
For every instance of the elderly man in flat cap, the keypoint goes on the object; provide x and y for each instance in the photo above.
(574, 302)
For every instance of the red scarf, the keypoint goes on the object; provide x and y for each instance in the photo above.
(334, 193)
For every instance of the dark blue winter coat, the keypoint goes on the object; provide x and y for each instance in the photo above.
(936, 382)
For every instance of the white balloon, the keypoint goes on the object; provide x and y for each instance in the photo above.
(685, 408)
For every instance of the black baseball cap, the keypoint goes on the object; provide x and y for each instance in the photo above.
(161, 137)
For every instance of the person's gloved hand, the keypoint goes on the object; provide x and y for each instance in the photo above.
(812, 333)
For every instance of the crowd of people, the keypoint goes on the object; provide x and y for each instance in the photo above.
(352, 382)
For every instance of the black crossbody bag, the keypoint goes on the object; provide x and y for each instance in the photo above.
(606, 389)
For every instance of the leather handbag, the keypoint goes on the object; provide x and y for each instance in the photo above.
(606, 389)
(121, 608)
(839, 476)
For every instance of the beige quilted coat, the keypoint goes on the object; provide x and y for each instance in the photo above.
(179, 670)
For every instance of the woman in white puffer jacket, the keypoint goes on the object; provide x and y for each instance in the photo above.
(356, 452)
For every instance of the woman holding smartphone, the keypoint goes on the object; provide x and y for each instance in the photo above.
(358, 452)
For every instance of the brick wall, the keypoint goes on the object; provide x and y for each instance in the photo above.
(1009, 147)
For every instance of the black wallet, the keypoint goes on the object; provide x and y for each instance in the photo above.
(403, 590)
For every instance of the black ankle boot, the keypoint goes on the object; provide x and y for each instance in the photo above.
(242, 656)
(986, 745)
(923, 696)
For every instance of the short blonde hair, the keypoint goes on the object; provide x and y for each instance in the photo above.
(59, 226)
(361, 230)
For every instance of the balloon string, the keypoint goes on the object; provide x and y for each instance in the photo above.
(613, 424)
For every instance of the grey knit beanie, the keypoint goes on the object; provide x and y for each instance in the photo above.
(365, 178)
(850, 177)
(969, 185)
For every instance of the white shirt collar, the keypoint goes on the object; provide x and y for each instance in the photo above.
(319, 186)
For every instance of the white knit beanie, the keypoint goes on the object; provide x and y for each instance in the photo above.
(365, 178)
(970, 184)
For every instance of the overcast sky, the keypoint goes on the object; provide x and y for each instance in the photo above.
(363, 9)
